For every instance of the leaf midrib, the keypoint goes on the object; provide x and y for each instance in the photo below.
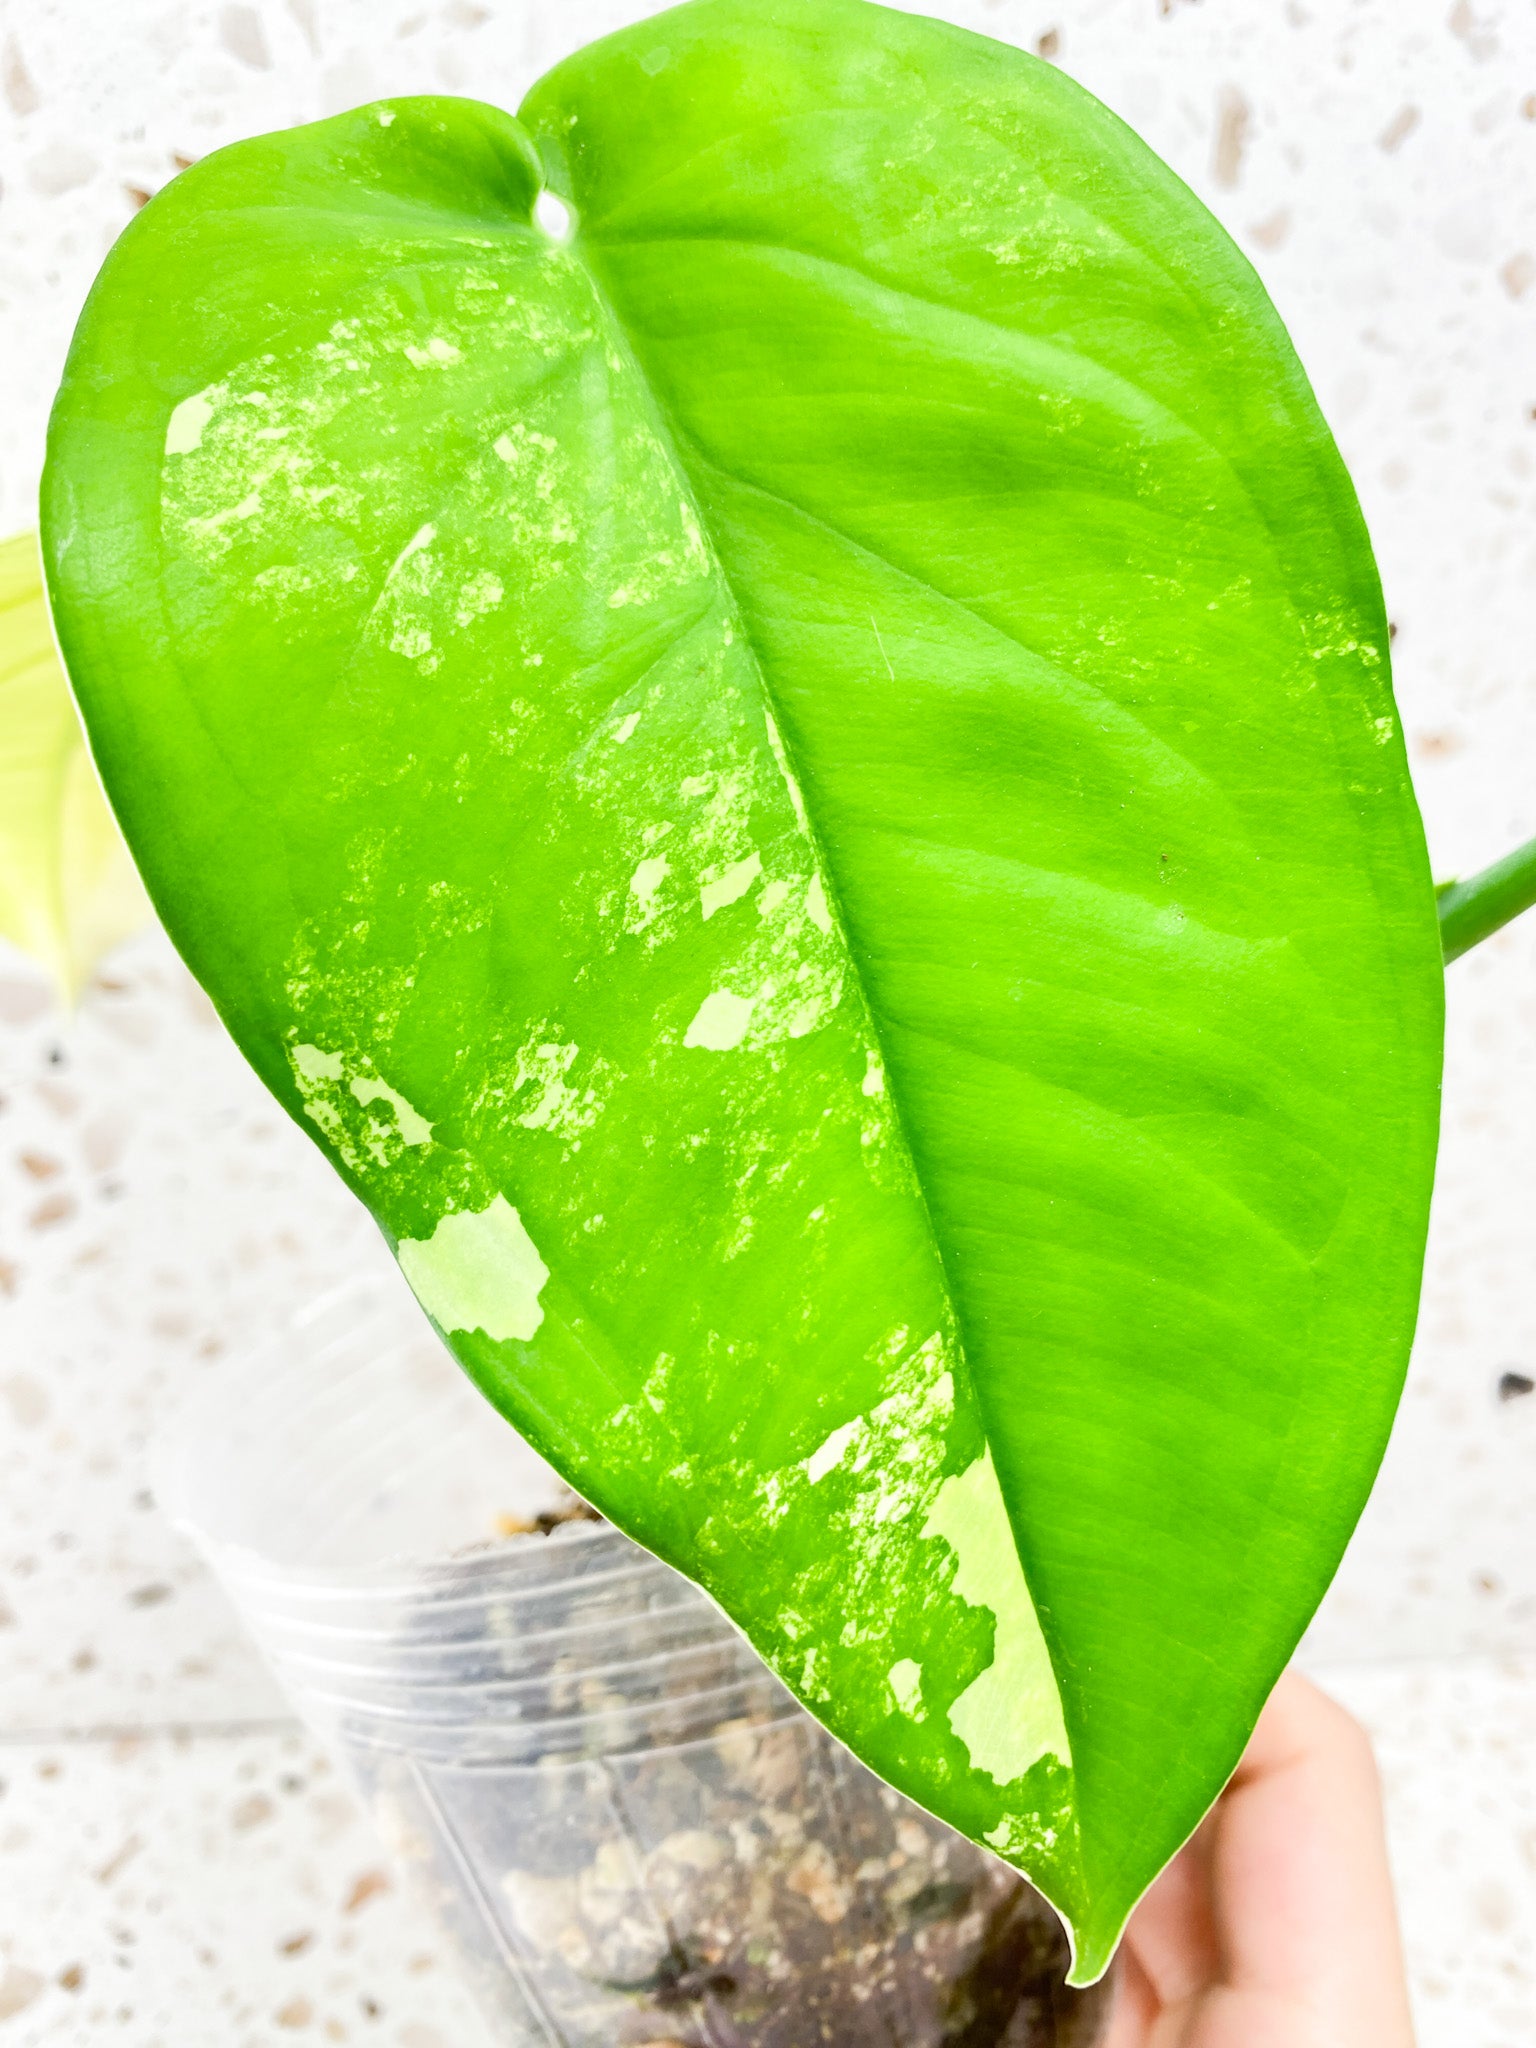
(671, 434)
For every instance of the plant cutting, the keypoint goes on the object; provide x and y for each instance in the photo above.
(68, 891)
(763, 701)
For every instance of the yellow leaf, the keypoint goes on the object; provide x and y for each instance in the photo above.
(68, 890)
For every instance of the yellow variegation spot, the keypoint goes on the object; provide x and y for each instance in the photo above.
(479, 1270)
(1010, 1716)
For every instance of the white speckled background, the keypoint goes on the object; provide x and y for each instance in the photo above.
(177, 1865)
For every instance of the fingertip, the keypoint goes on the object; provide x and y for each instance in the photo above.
(1300, 1723)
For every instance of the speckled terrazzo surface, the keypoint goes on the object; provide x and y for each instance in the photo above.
(177, 1865)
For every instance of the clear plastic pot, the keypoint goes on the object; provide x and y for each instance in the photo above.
(630, 1831)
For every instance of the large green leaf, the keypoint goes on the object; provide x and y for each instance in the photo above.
(801, 788)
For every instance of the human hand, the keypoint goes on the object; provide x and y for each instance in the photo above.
(1275, 1927)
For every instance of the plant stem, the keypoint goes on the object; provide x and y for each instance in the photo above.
(1473, 910)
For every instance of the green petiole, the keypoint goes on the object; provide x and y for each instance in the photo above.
(1475, 909)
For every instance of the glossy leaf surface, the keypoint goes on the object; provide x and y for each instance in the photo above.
(68, 891)
(801, 787)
